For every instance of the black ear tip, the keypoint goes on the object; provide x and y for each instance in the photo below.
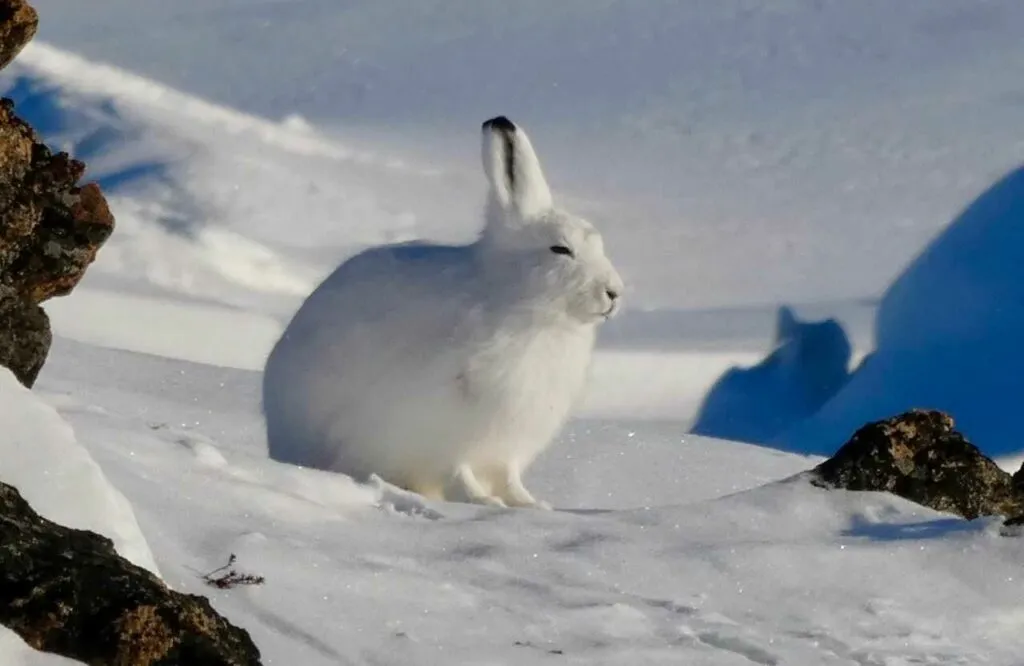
(499, 124)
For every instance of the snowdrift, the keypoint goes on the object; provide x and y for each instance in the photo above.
(40, 456)
(180, 231)
(16, 652)
(949, 334)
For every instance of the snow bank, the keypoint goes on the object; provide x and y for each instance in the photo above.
(139, 142)
(190, 331)
(949, 334)
(667, 548)
(41, 458)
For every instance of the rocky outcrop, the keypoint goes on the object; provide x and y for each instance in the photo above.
(67, 591)
(920, 456)
(50, 226)
(1014, 526)
(18, 25)
(25, 335)
(64, 590)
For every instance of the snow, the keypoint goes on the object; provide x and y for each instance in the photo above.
(16, 652)
(688, 557)
(737, 156)
(58, 477)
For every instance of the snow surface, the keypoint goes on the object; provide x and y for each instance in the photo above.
(686, 558)
(58, 477)
(15, 652)
(737, 156)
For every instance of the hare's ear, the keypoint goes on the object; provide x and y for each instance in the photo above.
(786, 323)
(513, 169)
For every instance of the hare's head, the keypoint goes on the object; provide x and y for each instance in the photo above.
(561, 256)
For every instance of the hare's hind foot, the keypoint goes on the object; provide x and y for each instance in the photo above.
(507, 483)
(464, 486)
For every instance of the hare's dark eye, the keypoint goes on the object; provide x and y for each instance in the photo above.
(562, 249)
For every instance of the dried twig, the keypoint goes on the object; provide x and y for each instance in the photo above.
(230, 578)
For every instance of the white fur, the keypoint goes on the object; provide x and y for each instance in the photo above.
(446, 370)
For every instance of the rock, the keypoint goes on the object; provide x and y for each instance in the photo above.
(68, 592)
(1018, 479)
(1014, 526)
(25, 330)
(921, 457)
(18, 24)
(50, 227)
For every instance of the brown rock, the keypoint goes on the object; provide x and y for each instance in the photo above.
(1014, 526)
(25, 331)
(68, 592)
(50, 232)
(921, 457)
(18, 24)
(50, 228)
(1018, 479)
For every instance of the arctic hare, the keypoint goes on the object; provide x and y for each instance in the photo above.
(446, 370)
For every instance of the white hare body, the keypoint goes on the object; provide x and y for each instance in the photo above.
(445, 369)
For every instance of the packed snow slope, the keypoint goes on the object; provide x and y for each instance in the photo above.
(663, 548)
(736, 155)
(58, 477)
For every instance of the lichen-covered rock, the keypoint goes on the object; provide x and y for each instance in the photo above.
(25, 330)
(68, 592)
(50, 228)
(1014, 526)
(1018, 480)
(921, 457)
(18, 25)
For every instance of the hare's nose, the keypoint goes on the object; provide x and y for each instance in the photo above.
(612, 294)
